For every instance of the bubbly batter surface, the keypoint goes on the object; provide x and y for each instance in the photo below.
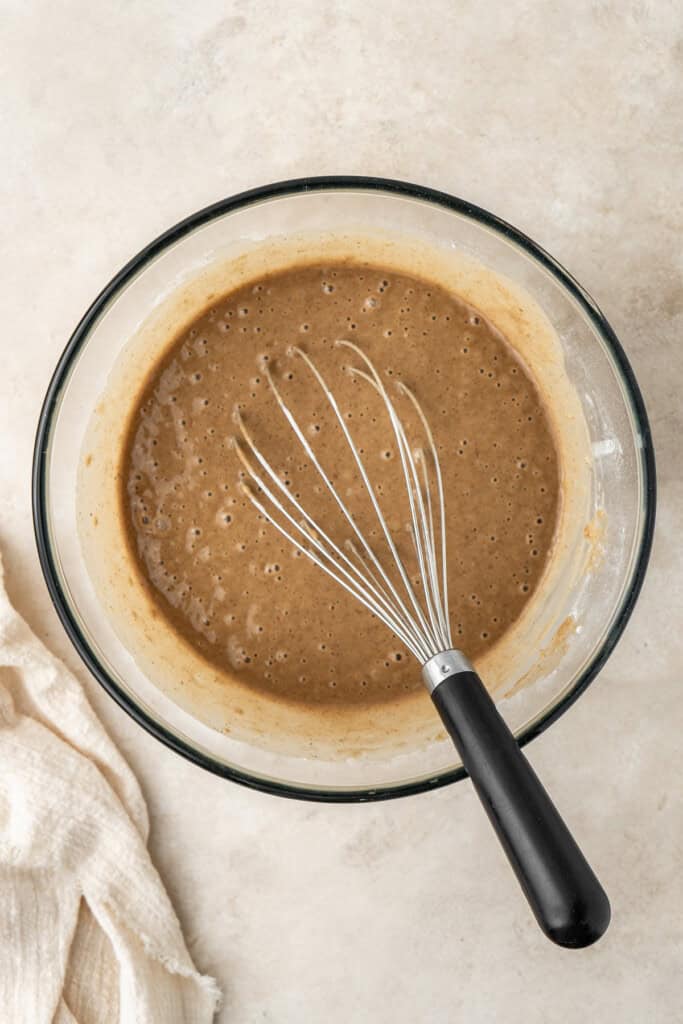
(227, 581)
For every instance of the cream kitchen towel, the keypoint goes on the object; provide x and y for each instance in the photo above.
(87, 932)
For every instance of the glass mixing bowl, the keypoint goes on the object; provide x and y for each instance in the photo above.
(622, 472)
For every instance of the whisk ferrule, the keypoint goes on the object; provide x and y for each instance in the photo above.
(444, 665)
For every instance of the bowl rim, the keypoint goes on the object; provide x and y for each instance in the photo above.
(77, 341)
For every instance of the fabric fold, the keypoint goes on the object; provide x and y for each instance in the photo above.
(87, 932)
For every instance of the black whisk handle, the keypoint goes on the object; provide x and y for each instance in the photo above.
(567, 899)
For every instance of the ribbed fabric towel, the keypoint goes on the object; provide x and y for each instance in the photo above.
(87, 932)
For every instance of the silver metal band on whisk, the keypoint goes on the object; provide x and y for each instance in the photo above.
(442, 666)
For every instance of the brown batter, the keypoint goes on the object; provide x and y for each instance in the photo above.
(236, 590)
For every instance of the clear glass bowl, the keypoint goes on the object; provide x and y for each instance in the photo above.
(622, 471)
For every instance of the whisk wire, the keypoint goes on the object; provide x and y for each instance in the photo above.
(381, 605)
(424, 631)
(443, 603)
(430, 544)
(397, 628)
(409, 624)
(417, 510)
(371, 494)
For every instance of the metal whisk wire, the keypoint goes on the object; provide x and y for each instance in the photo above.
(425, 631)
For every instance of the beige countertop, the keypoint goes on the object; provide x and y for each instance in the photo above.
(565, 119)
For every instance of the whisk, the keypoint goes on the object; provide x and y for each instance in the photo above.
(567, 899)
